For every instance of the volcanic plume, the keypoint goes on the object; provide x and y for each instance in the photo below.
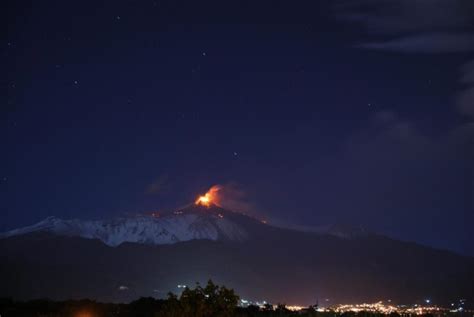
(210, 198)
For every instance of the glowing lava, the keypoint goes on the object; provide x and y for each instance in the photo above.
(210, 198)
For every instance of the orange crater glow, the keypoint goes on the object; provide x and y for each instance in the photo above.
(209, 198)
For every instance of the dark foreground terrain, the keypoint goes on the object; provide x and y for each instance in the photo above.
(211, 300)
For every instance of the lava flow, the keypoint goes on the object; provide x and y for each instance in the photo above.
(209, 198)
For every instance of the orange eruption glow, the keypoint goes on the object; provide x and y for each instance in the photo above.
(210, 198)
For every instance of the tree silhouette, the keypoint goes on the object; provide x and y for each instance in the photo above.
(212, 300)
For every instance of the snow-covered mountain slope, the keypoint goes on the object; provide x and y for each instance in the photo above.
(188, 224)
(193, 222)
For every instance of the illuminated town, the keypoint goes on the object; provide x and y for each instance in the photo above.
(381, 307)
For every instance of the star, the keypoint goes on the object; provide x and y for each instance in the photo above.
(203, 53)
(75, 82)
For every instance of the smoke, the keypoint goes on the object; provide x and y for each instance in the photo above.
(159, 186)
(233, 197)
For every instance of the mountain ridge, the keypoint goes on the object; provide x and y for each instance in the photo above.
(188, 223)
(192, 222)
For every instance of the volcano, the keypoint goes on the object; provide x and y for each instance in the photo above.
(190, 223)
(148, 255)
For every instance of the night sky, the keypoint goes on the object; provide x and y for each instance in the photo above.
(357, 112)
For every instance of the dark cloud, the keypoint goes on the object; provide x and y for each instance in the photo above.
(426, 43)
(406, 16)
(465, 99)
(425, 26)
(404, 179)
(419, 26)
